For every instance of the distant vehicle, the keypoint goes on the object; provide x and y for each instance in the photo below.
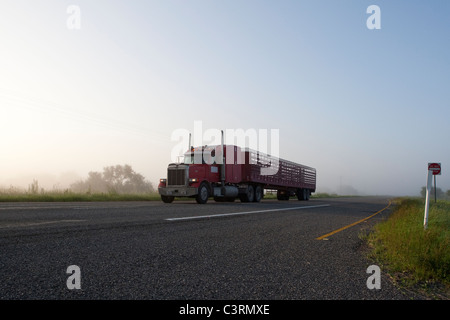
(227, 172)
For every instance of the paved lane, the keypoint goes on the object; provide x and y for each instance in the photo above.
(151, 250)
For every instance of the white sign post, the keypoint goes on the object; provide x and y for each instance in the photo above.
(433, 170)
(427, 199)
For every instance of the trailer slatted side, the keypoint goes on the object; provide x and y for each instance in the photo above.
(286, 173)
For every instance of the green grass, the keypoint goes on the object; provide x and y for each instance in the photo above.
(313, 196)
(414, 256)
(327, 195)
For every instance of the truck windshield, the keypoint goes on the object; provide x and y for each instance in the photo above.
(190, 157)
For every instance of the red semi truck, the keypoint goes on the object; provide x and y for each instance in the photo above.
(227, 172)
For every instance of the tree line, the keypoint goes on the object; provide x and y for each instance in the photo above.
(118, 179)
(440, 194)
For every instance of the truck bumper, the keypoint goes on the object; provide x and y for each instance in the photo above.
(180, 191)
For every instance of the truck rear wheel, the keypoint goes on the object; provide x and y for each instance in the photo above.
(258, 194)
(249, 195)
(203, 194)
(223, 199)
(167, 199)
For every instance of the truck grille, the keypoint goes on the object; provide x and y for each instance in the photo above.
(176, 177)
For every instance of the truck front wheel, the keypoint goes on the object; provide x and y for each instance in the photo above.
(203, 194)
(167, 199)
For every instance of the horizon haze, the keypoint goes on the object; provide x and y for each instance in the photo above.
(85, 85)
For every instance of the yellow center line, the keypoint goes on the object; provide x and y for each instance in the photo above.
(353, 224)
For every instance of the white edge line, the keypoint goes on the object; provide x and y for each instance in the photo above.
(242, 213)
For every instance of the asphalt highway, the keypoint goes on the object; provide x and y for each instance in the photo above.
(156, 251)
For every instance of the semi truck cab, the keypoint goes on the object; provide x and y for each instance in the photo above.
(196, 176)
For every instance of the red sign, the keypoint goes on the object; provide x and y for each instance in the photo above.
(435, 167)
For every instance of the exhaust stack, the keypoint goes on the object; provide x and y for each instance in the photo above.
(222, 173)
(190, 145)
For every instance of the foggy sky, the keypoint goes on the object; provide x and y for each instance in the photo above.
(367, 108)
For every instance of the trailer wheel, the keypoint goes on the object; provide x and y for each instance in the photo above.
(307, 194)
(203, 194)
(282, 195)
(167, 199)
(301, 194)
(258, 194)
